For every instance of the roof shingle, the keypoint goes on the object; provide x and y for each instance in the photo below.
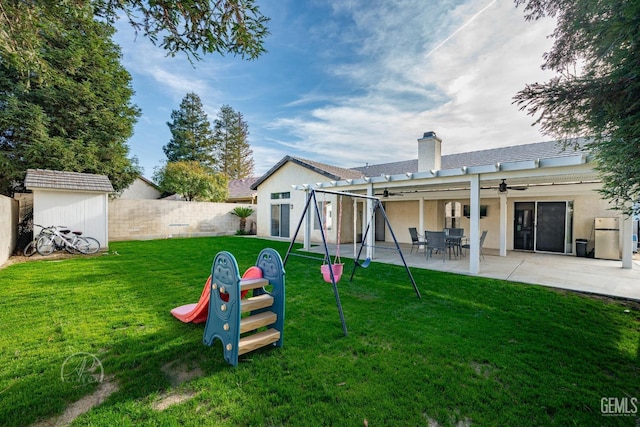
(241, 188)
(539, 150)
(62, 180)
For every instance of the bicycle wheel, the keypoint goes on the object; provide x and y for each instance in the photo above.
(30, 249)
(88, 245)
(45, 245)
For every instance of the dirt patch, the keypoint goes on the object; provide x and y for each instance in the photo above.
(104, 390)
(180, 373)
(171, 399)
(37, 257)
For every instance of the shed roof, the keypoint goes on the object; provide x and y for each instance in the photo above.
(63, 180)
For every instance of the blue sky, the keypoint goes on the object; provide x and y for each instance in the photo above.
(349, 82)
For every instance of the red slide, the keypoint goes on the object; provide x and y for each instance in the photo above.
(198, 312)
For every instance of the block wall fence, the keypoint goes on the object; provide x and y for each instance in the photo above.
(131, 219)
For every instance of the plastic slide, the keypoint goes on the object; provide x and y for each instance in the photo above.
(198, 312)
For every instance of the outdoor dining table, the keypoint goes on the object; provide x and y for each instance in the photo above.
(455, 243)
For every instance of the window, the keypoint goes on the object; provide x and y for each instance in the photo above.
(326, 210)
(452, 215)
(280, 220)
(277, 196)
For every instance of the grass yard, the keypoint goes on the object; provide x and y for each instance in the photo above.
(472, 351)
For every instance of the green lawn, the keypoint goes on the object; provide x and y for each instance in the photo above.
(472, 351)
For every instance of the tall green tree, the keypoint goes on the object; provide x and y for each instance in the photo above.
(230, 133)
(191, 134)
(195, 27)
(193, 181)
(80, 118)
(596, 93)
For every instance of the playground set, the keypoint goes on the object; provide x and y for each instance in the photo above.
(223, 303)
(332, 271)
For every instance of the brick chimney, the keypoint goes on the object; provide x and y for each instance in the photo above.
(429, 152)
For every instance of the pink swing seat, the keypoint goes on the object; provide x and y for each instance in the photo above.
(337, 271)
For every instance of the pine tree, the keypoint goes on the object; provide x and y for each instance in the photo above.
(230, 133)
(192, 138)
(79, 118)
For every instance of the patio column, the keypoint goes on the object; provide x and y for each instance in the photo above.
(421, 213)
(503, 224)
(371, 236)
(627, 242)
(307, 225)
(474, 222)
(355, 225)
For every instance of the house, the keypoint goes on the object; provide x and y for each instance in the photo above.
(240, 190)
(141, 188)
(533, 197)
(279, 206)
(76, 200)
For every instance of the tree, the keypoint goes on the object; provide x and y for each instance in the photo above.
(243, 213)
(192, 138)
(192, 180)
(230, 133)
(80, 118)
(195, 27)
(597, 91)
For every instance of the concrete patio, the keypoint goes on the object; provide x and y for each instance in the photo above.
(596, 276)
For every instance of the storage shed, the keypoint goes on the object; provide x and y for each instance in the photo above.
(76, 200)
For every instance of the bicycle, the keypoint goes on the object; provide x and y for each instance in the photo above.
(60, 237)
(30, 248)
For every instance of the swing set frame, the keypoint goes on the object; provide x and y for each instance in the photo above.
(377, 207)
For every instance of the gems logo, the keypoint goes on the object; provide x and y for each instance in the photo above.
(619, 406)
(82, 368)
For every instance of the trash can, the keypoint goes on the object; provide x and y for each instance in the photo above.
(581, 247)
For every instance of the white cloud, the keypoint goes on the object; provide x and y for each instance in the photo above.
(460, 84)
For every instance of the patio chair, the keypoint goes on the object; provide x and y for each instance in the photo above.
(482, 237)
(415, 240)
(436, 241)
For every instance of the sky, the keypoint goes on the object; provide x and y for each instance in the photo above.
(351, 82)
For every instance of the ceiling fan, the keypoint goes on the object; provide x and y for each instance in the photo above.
(503, 187)
(387, 193)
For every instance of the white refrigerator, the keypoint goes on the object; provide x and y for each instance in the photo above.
(607, 242)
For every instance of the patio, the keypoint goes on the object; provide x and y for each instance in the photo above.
(597, 276)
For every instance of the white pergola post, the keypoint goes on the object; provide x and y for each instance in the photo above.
(503, 224)
(371, 237)
(474, 221)
(421, 218)
(307, 224)
(355, 225)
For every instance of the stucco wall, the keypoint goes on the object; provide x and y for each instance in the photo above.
(139, 189)
(280, 182)
(131, 219)
(587, 205)
(8, 227)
